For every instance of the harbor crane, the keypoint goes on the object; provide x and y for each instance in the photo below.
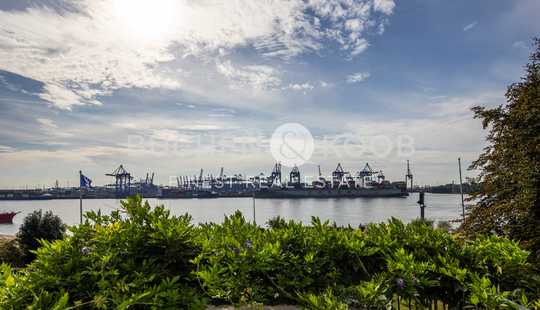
(294, 177)
(338, 174)
(275, 177)
(380, 177)
(408, 176)
(123, 179)
(366, 172)
(149, 180)
(320, 182)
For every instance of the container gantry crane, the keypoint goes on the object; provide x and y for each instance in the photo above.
(122, 183)
(408, 176)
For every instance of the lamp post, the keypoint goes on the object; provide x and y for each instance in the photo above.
(421, 203)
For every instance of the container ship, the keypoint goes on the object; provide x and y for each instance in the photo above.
(365, 183)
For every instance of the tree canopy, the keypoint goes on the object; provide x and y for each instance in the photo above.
(509, 200)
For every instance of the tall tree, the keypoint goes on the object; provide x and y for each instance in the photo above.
(509, 200)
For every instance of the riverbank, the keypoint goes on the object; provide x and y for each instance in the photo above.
(6, 237)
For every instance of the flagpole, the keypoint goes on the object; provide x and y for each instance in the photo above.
(80, 196)
(461, 190)
(254, 222)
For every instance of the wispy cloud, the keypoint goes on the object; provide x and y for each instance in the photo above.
(358, 77)
(256, 76)
(6, 149)
(304, 87)
(520, 45)
(470, 26)
(45, 122)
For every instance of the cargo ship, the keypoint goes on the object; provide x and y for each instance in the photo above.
(329, 193)
(179, 193)
(342, 184)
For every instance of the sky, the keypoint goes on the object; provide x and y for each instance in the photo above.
(172, 86)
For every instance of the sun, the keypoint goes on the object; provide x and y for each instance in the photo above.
(146, 18)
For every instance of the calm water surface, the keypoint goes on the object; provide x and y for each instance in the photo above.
(343, 211)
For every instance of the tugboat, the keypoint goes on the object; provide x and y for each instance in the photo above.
(7, 217)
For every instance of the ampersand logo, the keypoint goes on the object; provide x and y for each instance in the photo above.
(291, 144)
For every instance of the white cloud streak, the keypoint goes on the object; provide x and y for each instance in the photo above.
(358, 77)
(300, 87)
(470, 26)
(256, 76)
(6, 149)
(45, 122)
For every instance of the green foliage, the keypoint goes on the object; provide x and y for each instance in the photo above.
(444, 225)
(509, 199)
(142, 257)
(136, 257)
(11, 253)
(38, 226)
(325, 301)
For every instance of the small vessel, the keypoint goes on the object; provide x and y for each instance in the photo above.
(7, 217)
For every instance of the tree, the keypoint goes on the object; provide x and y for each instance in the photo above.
(509, 198)
(37, 226)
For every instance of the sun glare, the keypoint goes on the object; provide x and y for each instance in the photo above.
(146, 18)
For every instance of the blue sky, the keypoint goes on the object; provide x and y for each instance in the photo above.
(175, 86)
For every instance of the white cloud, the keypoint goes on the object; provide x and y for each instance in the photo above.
(325, 84)
(6, 149)
(46, 122)
(300, 87)
(384, 6)
(354, 25)
(470, 26)
(99, 46)
(520, 45)
(358, 77)
(50, 129)
(256, 76)
(171, 136)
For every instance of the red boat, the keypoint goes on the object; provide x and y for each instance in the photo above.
(7, 217)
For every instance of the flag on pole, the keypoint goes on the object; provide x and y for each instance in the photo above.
(85, 181)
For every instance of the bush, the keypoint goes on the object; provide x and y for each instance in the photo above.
(444, 225)
(38, 226)
(11, 253)
(142, 257)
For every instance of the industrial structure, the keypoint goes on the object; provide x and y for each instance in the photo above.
(341, 183)
(408, 176)
(122, 179)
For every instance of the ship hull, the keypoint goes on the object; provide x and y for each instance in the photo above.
(330, 193)
(7, 217)
(183, 194)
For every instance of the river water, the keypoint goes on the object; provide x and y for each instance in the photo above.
(343, 211)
